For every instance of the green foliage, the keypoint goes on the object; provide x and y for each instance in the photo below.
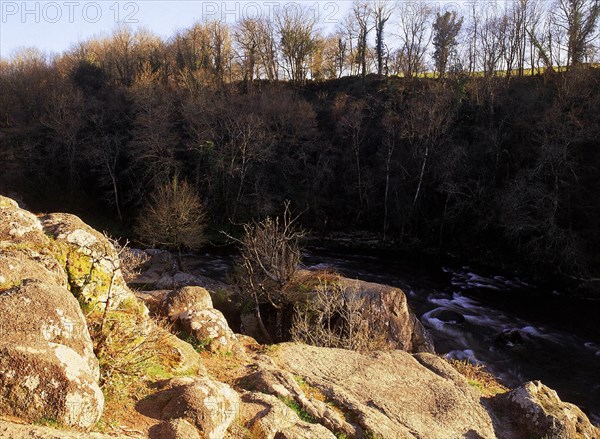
(130, 351)
(198, 345)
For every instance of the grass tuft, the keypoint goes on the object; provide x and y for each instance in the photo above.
(478, 377)
(302, 414)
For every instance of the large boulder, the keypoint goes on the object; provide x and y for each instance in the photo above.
(392, 394)
(387, 310)
(190, 310)
(208, 405)
(185, 300)
(183, 357)
(537, 411)
(47, 365)
(176, 429)
(24, 263)
(91, 261)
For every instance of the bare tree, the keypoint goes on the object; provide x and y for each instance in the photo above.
(246, 141)
(154, 142)
(220, 50)
(352, 127)
(414, 37)
(268, 49)
(361, 15)
(578, 20)
(390, 128)
(332, 315)
(247, 37)
(269, 259)
(491, 37)
(426, 120)
(333, 56)
(296, 40)
(65, 119)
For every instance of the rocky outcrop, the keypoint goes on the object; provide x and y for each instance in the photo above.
(48, 369)
(268, 417)
(47, 365)
(272, 380)
(387, 312)
(386, 308)
(91, 261)
(207, 405)
(20, 228)
(191, 310)
(392, 394)
(538, 412)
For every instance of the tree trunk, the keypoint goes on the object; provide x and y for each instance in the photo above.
(261, 324)
(279, 324)
(116, 193)
(385, 197)
(418, 191)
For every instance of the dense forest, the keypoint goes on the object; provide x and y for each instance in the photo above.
(468, 134)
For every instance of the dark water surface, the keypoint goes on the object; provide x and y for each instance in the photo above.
(559, 340)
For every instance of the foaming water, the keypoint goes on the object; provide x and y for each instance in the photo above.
(508, 324)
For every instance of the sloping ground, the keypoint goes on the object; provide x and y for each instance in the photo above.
(392, 394)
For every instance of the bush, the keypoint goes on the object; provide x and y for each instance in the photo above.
(173, 218)
(332, 316)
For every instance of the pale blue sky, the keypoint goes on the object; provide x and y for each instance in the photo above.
(53, 26)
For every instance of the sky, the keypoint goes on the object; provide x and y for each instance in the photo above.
(54, 26)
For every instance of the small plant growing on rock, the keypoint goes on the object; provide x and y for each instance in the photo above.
(478, 377)
(298, 409)
(131, 260)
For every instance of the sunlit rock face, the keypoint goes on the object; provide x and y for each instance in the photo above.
(191, 310)
(89, 258)
(47, 365)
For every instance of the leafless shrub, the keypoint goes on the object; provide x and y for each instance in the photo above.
(174, 217)
(132, 260)
(270, 256)
(334, 316)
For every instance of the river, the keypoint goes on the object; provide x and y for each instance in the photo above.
(556, 337)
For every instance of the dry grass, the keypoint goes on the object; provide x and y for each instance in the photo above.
(334, 315)
(478, 377)
(134, 353)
